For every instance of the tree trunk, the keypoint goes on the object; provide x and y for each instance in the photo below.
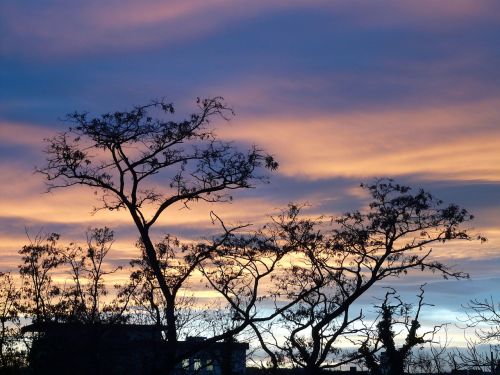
(169, 298)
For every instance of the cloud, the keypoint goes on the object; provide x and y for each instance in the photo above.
(454, 142)
(23, 134)
(59, 27)
(25, 207)
(459, 76)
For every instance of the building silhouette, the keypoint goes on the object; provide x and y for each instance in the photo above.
(76, 348)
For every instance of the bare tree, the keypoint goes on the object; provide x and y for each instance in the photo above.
(435, 357)
(120, 153)
(244, 265)
(474, 356)
(485, 316)
(483, 350)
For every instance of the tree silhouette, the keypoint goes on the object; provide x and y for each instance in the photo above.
(484, 315)
(11, 352)
(395, 315)
(146, 164)
(79, 299)
(338, 265)
(41, 296)
(84, 299)
(177, 262)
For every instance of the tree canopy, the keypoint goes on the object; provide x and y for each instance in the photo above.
(119, 153)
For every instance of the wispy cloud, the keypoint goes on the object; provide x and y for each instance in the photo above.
(449, 142)
(61, 28)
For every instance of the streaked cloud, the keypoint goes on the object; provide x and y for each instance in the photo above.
(56, 28)
(452, 142)
(60, 28)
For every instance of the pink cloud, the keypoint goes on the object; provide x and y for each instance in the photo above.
(23, 134)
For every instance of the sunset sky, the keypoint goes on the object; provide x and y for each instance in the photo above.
(340, 92)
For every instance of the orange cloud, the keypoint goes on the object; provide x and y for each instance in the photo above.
(24, 197)
(454, 141)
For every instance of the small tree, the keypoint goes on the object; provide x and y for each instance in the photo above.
(84, 299)
(41, 296)
(434, 358)
(81, 297)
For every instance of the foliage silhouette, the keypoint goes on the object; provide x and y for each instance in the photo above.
(124, 155)
(395, 316)
(340, 261)
(41, 296)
